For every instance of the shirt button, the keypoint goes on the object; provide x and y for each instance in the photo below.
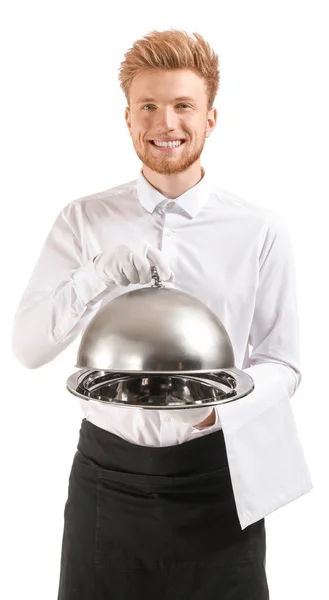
(95, 289)
(167, 419)
(74, 315)
(168, 233)
(170, 204)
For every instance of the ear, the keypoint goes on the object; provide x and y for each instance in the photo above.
(211, 121)
(128, 119)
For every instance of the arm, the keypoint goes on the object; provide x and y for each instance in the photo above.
(274, 333)
(274, 336)
(60, 298)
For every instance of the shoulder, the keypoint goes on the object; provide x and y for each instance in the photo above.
(239, 204)
(267, 219)
(108, 195)
(96, 203)
(257, 224)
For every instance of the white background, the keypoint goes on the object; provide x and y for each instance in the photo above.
(63, 136)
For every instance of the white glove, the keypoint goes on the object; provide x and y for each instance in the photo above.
(121, 266)
(190, 416)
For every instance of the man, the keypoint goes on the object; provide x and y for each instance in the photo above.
(173, 507)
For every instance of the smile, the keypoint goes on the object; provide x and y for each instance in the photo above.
(167, 145)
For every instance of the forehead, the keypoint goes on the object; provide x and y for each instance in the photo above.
(165, 85)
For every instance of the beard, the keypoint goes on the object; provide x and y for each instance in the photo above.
(169, 165)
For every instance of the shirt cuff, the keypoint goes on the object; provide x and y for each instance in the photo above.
(87, 283)
(272, 381)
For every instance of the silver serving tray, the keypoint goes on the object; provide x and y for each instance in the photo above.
(160, 391)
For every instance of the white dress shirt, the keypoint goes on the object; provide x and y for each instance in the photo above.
(233, 256)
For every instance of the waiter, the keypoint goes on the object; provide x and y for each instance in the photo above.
(172, 505)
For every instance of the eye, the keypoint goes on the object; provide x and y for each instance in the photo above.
(147, 106)
(183, 105)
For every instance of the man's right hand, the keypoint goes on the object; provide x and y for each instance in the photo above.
(122, 266)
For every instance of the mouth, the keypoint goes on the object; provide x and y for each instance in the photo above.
(165, 145)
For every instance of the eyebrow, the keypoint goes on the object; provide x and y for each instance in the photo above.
(179, 99)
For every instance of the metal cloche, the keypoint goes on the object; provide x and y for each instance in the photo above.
(157, 347)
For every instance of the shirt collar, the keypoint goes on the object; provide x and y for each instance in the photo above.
(190, 202)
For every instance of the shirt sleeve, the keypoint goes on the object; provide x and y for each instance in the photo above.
(274, 333)
(61, 296)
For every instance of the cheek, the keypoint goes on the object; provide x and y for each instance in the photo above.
(138, 124)
(192, 126)
(140, 130)
(137, 133)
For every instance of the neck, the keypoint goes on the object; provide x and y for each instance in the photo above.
(173, 186)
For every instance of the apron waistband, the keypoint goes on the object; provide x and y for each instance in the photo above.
(109, 451)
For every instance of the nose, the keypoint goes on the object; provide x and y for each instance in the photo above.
(166, 119)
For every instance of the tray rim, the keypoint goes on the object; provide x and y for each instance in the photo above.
(244, 386)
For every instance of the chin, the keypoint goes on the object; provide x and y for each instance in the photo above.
(169, 167)
(169, 170)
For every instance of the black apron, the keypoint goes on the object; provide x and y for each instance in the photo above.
(144, 523)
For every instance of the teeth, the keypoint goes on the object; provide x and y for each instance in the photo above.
(168, 144)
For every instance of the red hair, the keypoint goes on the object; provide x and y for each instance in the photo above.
(171, 49)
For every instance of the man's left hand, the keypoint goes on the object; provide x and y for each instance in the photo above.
(208, 421)
(195, 417)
